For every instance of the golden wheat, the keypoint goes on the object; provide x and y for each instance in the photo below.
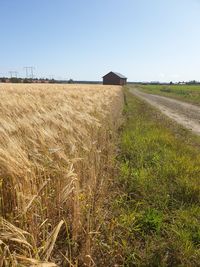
(56, 151)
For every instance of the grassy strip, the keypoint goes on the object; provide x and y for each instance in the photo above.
(155, 215)
(187, 93)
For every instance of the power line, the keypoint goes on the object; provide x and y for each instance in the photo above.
(13, 74)
(29, 72)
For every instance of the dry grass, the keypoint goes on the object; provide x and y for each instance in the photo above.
(56, 158)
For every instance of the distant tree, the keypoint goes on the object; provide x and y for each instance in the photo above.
(192, 82)
(70, 81)
(52, 81)
(27, 80)
(15, 80)
(171, 83)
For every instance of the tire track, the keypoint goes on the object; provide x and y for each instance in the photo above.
(186, 114)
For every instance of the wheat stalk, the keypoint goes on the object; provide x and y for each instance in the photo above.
(56, 150)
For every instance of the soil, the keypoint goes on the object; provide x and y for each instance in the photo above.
(188, 115)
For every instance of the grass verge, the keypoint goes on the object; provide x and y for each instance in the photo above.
(154, 217)
(187, 93)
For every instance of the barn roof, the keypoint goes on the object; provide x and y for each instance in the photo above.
(118, 74)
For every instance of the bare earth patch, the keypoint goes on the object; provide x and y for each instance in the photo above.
(183, 113)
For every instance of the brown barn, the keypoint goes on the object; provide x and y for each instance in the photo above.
(114, 78)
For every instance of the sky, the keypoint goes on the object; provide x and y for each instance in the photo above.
(146, 40)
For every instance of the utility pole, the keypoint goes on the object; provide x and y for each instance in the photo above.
(31, 68)
(13, 74)
(29, 72)
(26, 68)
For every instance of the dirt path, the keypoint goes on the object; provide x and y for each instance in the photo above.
(183, 113)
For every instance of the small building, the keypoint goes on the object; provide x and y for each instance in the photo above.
(114, 78)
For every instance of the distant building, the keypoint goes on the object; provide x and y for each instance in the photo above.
(114, 78)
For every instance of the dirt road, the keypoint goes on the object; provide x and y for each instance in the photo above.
(183, 113)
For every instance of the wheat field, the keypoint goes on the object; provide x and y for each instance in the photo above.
(57, 147)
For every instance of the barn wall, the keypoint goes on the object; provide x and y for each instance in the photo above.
(111, 79)
(122, 81)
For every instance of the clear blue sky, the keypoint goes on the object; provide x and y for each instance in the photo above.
(146, 40)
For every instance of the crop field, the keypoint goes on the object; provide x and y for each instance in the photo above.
(57, 144)
(93, 175)
(188, 93)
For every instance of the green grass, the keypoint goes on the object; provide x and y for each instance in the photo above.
(154, 217)
(188, 93)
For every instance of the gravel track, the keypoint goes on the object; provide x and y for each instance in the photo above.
(186, 114)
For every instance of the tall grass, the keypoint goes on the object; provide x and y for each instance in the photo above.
(154, 218)
(56, 158)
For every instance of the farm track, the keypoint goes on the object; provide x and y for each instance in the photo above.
(186, 114)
